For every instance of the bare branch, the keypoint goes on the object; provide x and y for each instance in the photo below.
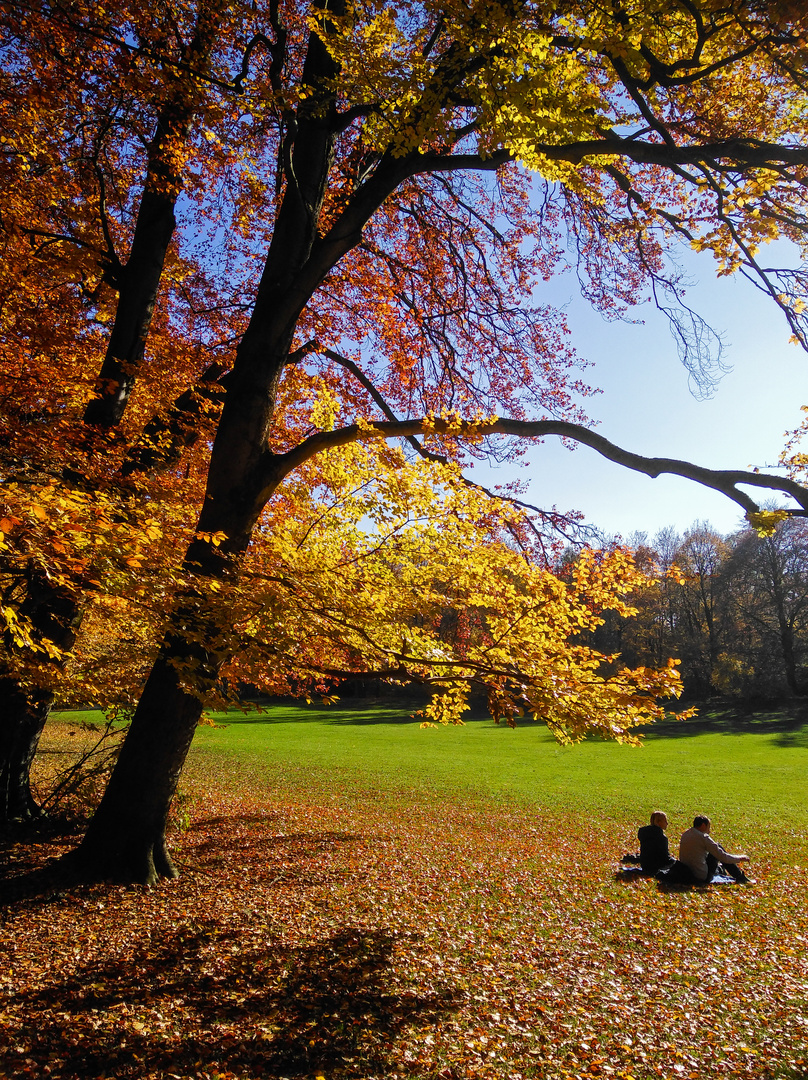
(754, 153)
(727, 482)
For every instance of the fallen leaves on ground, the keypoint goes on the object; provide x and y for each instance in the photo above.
(355, 935)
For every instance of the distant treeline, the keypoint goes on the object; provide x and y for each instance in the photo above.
(733, 609)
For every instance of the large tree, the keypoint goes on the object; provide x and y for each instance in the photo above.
(106, 112)
(428, 164)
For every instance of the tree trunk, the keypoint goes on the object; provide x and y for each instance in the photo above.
(126, 839)
(778, 590)
(786, 635)
(23, 718)
(22, 724)
(138, 283)
(54, 616)
(139, 280)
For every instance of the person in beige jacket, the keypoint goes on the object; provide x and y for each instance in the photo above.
(702, 855)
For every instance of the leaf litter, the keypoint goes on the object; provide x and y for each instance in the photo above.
(361, 937)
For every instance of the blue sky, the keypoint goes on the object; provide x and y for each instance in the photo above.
(646, 406)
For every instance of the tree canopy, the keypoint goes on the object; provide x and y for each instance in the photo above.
(248, 246)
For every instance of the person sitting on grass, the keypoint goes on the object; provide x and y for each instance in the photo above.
(702, 855)
(654, 853)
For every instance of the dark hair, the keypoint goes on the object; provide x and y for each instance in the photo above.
(699, 820)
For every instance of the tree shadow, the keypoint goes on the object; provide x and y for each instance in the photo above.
(37, 876)
(787, 723)
(359, 713)
(278, 1011)
(28, 851)
(209, 997)
(270, 858)
(796, 739)
(354, 715)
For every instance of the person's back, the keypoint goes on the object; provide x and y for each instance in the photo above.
(702, 856)
(693, 853)
(654, 853)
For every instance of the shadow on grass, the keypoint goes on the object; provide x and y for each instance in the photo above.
(302, 714)
(274, 858)
(35, 875)
(789, 723)
(366, 714)
(797, 739)
(634, 874)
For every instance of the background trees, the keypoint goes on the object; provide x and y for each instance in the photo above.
(370, 196)
(768, 604)
(731, 609)
(700, 605)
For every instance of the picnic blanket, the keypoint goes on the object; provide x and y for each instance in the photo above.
(630, 872)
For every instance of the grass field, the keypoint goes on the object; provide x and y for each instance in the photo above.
(749, 779)
(364, 899)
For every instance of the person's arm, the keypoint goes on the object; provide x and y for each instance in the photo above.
(723, 856)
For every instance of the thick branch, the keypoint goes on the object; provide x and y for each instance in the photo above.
(749, 153)
(725, 481)
(430, 455)
(752, 153)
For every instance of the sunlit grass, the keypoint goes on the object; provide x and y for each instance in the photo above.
(745, 780)
(747, 772)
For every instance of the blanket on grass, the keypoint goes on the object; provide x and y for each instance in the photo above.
(634, 873)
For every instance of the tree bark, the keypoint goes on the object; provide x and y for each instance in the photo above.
(138, 281)
(23, 718)
(54, 617)
(126, 839)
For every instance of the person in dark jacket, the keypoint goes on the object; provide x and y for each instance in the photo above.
(654, 853)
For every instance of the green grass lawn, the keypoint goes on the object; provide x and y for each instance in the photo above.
(745, 780)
